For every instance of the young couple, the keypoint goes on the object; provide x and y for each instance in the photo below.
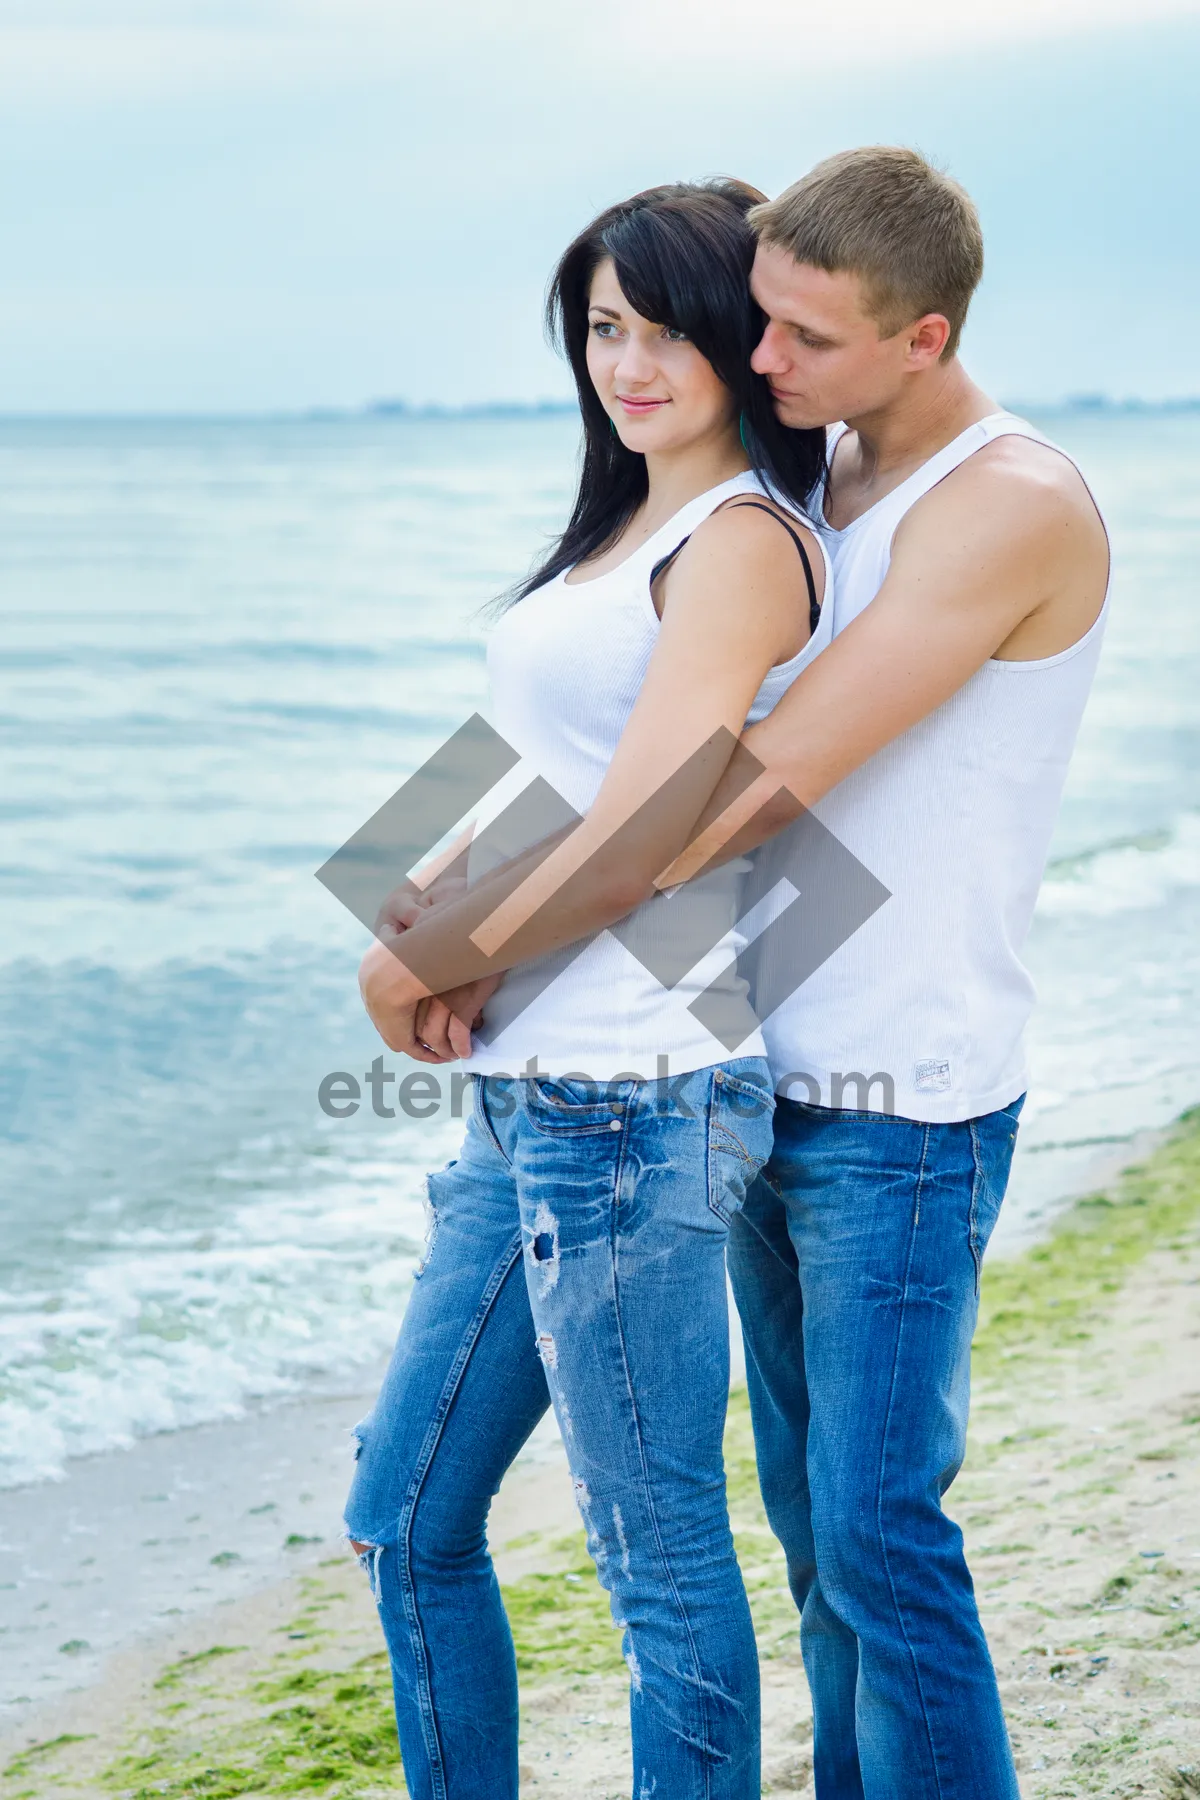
(893, 623)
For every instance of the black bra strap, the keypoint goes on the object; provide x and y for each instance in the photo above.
(664, 562)
(814, 605)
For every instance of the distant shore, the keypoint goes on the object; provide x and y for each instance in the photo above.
(1077, 1501)
(554, 406)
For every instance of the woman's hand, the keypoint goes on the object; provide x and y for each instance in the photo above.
(408, 1018)
(392, 996)
(446, 1022)
(428, 1027)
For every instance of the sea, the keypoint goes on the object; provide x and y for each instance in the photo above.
(223, 645)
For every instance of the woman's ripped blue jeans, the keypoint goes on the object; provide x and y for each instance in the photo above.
(576, 1256)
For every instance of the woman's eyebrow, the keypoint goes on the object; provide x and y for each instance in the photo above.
(606, 310)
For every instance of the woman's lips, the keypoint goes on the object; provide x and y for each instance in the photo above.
(640, 406)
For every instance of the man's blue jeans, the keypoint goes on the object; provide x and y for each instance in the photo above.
(577, 1252)
(855, 1263)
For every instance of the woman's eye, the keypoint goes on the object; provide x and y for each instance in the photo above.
(673, 334)
(603, 327)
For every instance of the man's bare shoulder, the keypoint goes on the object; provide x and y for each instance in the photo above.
(1013, 534)
(1015, 484)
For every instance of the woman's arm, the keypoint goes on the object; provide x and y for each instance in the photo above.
(736, 604)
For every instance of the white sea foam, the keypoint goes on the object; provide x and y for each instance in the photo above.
(165, 1330)
(1125, 877)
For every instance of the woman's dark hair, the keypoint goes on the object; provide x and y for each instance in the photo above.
(682, 255)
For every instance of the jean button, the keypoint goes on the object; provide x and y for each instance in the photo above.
(615, 1125)
(719, 1076)
(617, 1106)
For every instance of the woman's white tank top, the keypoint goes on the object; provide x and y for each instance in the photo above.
(565, 668)
(922, 1011)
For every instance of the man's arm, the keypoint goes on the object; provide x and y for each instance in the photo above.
(708, 663)
(1007, 557)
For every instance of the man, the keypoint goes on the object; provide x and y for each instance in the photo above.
(970, 574)
(931, 738)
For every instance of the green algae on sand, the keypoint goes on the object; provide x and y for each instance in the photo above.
(1059, 1290)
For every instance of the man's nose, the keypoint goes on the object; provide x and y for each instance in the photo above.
(769, 356)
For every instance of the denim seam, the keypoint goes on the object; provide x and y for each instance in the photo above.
(648, 1489)
(745, 1219)
(973, 1222)
(433, 1437)
(749, 1088)
(710, 1154)
(485, 1119)
(841, 1114)
(619, 1171)
(721, 1137)
(541, 1090)
(883, 1465)
(585, 1118)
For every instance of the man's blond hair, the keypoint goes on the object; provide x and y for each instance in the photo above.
(884, 214)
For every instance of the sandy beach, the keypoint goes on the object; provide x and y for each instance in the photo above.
(1078, 1501)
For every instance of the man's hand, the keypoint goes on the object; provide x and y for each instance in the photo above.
(408, 903)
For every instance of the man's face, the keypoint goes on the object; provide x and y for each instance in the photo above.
(821, 351)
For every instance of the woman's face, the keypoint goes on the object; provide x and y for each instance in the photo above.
(655, 386)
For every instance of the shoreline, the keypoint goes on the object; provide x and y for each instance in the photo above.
(193, 1522)
(1077, 1501)
(1048, 1178)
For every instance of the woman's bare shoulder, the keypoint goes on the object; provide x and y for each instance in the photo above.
(762, 533)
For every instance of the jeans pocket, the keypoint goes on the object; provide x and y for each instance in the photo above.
(740, 1116)
(577, 1106)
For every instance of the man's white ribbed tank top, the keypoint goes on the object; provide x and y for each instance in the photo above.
(955, 818)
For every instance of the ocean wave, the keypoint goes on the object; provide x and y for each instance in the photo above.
(184, 1229)
(1128, 875)
(164, 1332)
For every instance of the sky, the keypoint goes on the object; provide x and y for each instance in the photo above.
(259, 205)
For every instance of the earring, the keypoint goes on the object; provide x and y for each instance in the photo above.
(742, 432)
(612, 426)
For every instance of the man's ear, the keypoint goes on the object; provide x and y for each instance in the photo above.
(927, 339)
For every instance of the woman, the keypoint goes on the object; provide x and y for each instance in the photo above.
(577, 1245)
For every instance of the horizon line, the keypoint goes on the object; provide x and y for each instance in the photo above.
(1094, 403)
